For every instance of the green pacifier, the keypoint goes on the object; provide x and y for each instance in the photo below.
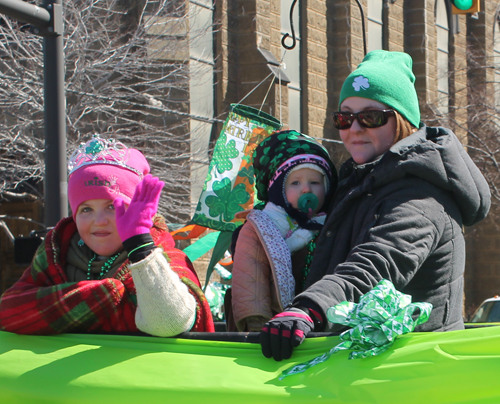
(308, 202)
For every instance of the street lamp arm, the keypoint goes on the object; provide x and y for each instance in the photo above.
(26, 12)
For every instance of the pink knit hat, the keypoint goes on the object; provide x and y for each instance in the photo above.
(104, 169)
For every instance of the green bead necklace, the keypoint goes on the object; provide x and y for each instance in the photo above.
(104, 269)
(311, 246)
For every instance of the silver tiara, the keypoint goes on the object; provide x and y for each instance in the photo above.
(100, 151)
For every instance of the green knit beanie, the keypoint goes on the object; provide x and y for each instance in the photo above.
(385, 77)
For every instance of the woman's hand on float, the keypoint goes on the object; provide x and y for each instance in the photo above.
(284, 332)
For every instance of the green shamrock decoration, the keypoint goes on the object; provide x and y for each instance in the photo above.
(247, 158)
(226, 203)
(247, 173)
(298, 149)
(223, 154)
(264, 160)
(94, 147)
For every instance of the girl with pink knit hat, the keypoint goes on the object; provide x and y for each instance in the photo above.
(112, 266)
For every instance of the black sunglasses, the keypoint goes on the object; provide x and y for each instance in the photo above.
(368, 119)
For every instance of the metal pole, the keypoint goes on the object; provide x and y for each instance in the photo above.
(48, 23)
(25, 12)
(56, 183)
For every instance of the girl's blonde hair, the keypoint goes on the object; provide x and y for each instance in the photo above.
(403, 127)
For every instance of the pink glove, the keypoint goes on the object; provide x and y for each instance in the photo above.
(138, 218)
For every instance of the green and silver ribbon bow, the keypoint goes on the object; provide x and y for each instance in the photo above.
(380, 316)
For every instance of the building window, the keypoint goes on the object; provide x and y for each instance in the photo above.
(442, 34)
(375, 25)
(292, 63)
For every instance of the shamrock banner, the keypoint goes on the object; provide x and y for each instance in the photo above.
(229, 186)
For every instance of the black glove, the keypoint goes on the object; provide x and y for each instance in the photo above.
(286, 331)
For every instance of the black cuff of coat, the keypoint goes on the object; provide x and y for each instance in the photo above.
(313, 311)
(139, 246)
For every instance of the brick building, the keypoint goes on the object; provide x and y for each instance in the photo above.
(330, 44)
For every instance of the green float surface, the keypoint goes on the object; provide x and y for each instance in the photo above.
(453, 367)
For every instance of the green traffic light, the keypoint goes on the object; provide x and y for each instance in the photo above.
(463, 4)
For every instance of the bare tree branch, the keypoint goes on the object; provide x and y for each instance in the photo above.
(127, 77)
(478, 119)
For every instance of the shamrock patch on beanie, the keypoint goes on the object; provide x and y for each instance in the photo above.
(360, 82)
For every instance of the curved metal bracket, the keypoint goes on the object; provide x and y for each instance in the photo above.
(362, 25)
(293, 31)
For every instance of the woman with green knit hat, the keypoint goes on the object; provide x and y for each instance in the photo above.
(398, 212)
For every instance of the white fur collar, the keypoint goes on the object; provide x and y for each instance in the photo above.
(295, 237)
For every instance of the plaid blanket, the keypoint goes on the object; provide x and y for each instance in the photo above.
(44, 302)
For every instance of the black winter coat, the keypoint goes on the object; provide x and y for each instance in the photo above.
(400, 218)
